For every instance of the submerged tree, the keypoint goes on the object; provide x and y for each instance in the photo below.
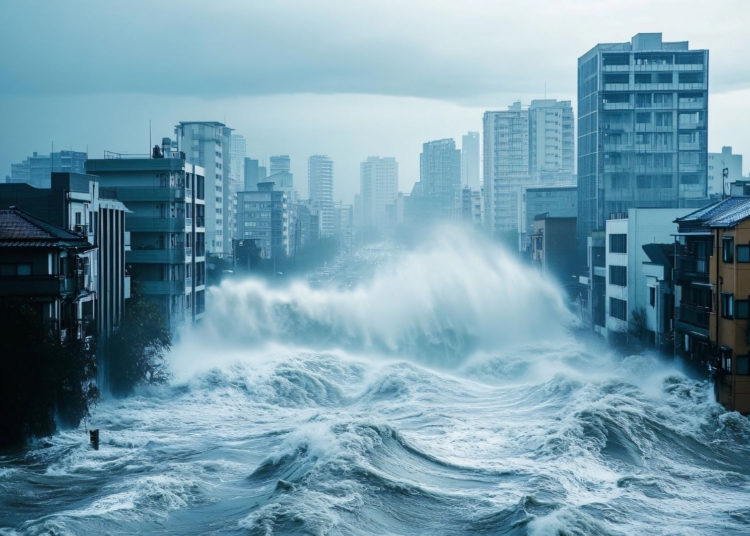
(44, 380)
(136, 351)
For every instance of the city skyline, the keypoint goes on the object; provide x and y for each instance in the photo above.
(339, 116)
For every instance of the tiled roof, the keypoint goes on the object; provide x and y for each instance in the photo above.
(731, 217)
(19, 229)
(711, 211)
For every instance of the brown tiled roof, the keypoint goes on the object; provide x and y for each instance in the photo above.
(19, 229)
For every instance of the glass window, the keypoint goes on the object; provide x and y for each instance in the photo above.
(652, 296)
(7, 269)
(743, 365)
(727, 305)
(743, 253)
(741, 309)
(618, 243)
(728, 249)
(618, 309)
(618, 275)
(24, 269)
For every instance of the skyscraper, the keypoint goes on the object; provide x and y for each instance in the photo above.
(524, 147)
(642, 137)
(252, 175)
(238, 153)
(320, 184)
(378, 179)
(280, 163)
(440, 178)
(208, 144)
(470, 160)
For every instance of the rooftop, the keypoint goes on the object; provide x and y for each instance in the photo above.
(19, 229)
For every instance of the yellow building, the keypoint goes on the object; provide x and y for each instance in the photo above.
(729, 327)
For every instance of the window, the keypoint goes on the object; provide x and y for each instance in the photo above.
(78, 218)
(618, 243)
(643, 78)
(743, 365)
(691, 78)
(618, 309)
(728, 249)
(643, 118)
(664, 78)
(618, 275)
(727, 305)
(726, 359)
(742, 309)
(652, 296)
(743, 253)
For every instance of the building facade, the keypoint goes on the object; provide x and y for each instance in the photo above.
(378, 181)
(263, 216)
(470, 160)
(166, 197)
(207, 144)
(280, 163)
(556, 202)
(36, 169)
(439, 181)
(553, 249)
(642, 128)
(724, 168)
(320, 187)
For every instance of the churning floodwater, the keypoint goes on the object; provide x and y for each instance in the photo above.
(441, 396)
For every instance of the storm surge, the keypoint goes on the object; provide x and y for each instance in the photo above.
(442, 395)
(456, 294)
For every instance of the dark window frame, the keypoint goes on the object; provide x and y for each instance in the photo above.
(727, 249)
(746, 249)
(727, 305)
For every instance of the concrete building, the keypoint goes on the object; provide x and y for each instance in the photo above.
(556, 202)
(470, 160)
(524, 147)
(263, 216)
(36, 169)
(719, 165)
(207, 144)
(166, 196)
(51, 268)
(553, 249)
(471, 206)
(238, 152)
(320, 188)
(76, 203)
(642, 137)
(280, 163)
(378, 180)
(253, 174)
(343, 227)
(633, 278)
(437, 195)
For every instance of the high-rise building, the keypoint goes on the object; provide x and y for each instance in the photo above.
(378, 179)
(437, 194)
(238, 152)
(208, 144)
(524, 147)
(37, 169)
(280, 163)
(165, 197)
(343, 227)
(320, 184)
(717, 163)
(251, 174)
(555, 202)
(263, 215)
(642, 136)
(470, 160)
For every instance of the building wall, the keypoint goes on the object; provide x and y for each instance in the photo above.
(320, 183)
(642, 128)
(440, 179)
(716, 164)
(379, 189)
(470, 160)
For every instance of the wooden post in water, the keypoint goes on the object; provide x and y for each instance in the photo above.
(94, 437)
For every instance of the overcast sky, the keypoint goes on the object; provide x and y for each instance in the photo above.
(344, 78)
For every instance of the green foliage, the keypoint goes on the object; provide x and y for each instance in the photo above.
(137, 350)
(43, 379)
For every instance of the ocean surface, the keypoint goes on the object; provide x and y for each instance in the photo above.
(441, 396)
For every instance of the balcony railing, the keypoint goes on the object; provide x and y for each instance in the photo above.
(41, 285)
(696, 316)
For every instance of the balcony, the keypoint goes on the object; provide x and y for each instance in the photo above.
(163, 287)
(150, 194)
(157, 256)
(39, 285)
(156, 225)
(694, 316)
(692, 269)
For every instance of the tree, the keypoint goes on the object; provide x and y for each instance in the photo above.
(44, 381)
(137, 349)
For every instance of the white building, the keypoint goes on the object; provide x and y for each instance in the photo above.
(470, 160)
(633, 281)
(280, 163)
(524, 147)
(320, 187)
(208, 144)
(717, 163)
(378, 180)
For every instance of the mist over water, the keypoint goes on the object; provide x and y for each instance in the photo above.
(441, 396)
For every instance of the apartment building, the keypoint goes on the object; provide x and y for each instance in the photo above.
(207, 144)
(167, 224)
(320, 188)
(556, 202)
(378, 181)
(263, 216)
(36, 169)
(470, 160)
(724, 168)
(553, 250)
(642, 136)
